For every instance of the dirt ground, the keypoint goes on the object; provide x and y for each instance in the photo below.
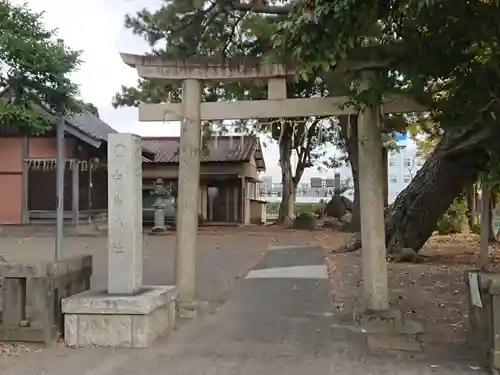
(224, 255)
(431, 291)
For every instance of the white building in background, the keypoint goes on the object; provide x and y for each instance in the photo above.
(402, 167)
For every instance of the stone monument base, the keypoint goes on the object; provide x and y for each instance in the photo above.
(390, 321)
(159, 231)
(389, 330)
(193, 310)
(134, 321)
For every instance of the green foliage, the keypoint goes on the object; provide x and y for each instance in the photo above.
(89, 107)
(300, 208)
(35, 66)
(305, 220)
(273, 208)
(320, 209)
(436, 57)
(447, 225)
(308, 208)
(178, 30)
(476, 228)
(455, 218)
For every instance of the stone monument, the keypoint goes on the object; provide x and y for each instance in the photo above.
(127, 314)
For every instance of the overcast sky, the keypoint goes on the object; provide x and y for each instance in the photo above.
(96, 28)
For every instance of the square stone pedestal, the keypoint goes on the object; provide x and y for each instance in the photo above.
(389, 330)
(134, 321)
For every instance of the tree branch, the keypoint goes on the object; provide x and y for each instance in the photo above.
(258, 7)
(230, 39)
(471, 141)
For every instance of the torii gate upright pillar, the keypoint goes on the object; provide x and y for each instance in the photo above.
(188, 192)
(371, 187)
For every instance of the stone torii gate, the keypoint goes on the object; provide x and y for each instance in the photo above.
(192, 73)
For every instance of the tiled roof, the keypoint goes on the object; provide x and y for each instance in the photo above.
(96, 128)
(85, 122)
(91, 124)
(85, 126)
(219, 149)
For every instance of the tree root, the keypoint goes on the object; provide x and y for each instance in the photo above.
(394, 255)
(354, 244)
(286, 222)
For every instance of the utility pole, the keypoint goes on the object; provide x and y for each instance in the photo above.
(60, 154)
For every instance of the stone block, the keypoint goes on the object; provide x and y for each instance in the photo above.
(46, 269)
(375, 320)
(483, 335)
(32, 292)
(102, 319)
(194, 310)
(394, 342)
(391, 321)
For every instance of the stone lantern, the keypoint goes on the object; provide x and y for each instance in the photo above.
(162, 193)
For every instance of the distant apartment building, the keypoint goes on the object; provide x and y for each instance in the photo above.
(402, 167)
(313, 191)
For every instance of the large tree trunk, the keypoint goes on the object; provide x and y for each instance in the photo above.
(350, 134)
(287, 200)
(471, 205)
(493, 234)
(455, 164)
(287, 190)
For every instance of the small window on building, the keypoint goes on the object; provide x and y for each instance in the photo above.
(406, 180)
(392, 163)
(407, 162)
(393, 180)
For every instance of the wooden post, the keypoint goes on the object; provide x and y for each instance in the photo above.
(75, 191)
(189, 186)
(89, 195)
(227, 189)
(25, 181)
(485, 225)
(235, 203)
(371, 171)
(60, 167)
(242, 201)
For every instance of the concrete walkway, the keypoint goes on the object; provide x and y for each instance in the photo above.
(280, 321)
